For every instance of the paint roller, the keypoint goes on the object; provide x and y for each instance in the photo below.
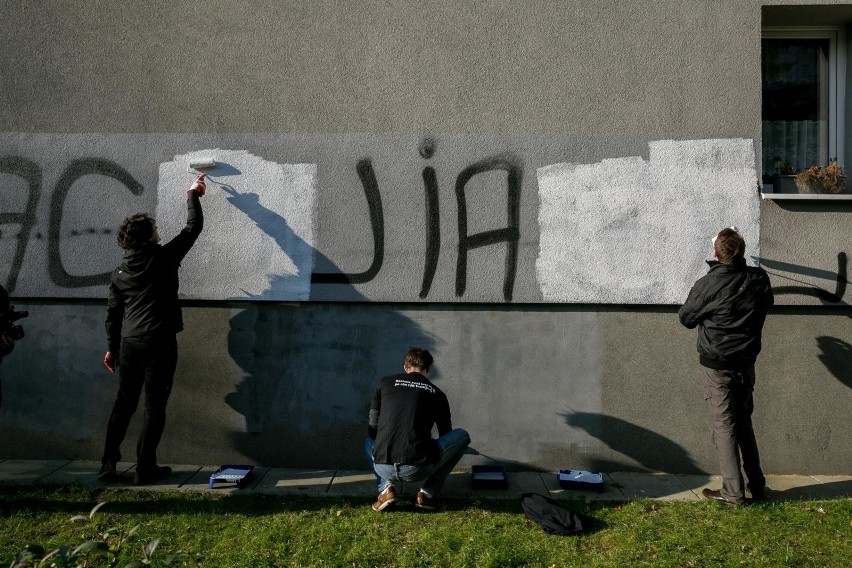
(199, 164)
(195, 167)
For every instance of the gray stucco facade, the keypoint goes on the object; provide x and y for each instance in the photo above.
(528, 191)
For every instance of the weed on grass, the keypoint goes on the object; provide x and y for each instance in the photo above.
(261, 530)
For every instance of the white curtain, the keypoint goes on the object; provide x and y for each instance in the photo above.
(798, 143)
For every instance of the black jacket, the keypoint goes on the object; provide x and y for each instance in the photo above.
(403, 410)
(729, 306)
(143, 293)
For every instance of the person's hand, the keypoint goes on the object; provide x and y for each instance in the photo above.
(198, 187)
(109, 362)
(6, 342)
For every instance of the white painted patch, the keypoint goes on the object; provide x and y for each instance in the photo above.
(632, 231)
(258, 232)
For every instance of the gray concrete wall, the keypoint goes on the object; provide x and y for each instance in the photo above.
(537, 386)
(592, 150)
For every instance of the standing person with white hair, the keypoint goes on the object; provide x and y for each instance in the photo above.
(729, 306)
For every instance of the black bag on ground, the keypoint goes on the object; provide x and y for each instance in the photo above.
(552, 518)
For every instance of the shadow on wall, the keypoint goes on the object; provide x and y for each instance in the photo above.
(825, 296)
(310, 370)
(836, 354)
(837, 357)
(655, 453)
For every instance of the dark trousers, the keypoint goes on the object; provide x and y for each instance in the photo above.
(149, 363)
(730, 403)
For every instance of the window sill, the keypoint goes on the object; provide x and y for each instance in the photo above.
(807, 196)
(769, 193)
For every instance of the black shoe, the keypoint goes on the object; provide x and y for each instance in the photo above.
(716, 495)
(759, 496)
(149, 475)
(107, 473)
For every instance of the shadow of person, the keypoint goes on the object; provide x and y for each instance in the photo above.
(812, 491)
(310, 369)
(655, 453)
(285, 238)
(837, 357)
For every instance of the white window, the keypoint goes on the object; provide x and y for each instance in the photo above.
(803, 77)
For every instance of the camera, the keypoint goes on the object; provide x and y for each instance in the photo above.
(8, 317)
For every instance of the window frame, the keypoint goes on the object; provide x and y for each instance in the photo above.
(836, 93)
(836, 78)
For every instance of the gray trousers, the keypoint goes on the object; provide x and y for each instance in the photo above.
(728, 395)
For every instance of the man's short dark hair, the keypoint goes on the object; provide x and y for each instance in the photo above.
(419, 358)
(136, 231)
(729, 245)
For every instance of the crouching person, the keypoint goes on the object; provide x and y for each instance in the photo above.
(400, 445)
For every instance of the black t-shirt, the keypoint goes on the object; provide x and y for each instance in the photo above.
(408, 405)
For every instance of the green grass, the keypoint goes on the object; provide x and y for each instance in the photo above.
(254, 530)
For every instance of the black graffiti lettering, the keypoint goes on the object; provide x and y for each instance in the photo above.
(74, 171)
(433, 229)
(510, 234)
(31, 173)
(824, 295)
(377, 221)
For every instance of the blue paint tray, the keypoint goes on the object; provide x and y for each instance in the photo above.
(231, 475)
(579, 479)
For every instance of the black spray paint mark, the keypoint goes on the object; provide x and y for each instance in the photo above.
(433, 229)
(74, 171)
(31, 173)
(377, 221)
(510, 234)
(824, 295)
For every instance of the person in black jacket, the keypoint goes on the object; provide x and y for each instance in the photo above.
(143, 319)
(729, 306)
(400, 446)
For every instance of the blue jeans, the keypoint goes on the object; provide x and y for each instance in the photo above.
(453, 444)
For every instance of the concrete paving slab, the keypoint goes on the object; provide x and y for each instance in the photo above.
(652, 486)
(697, 483)
(180, 475)
(295, 481)
(460, 484)
(839, 484)
(610, 493)
(14, 472)
(796, 487)
(349, 482)
(85, 473)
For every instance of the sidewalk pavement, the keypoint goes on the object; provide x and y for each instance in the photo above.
(281, 481)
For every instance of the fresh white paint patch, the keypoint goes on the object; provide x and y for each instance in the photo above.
(632, 231)
(258, 232)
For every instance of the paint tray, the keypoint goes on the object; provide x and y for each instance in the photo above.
(579, 479)
(231, 476)
(489, 477)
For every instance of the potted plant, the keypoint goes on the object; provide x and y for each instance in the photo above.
(818, 179)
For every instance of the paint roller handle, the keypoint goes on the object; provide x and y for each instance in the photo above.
(198, 187)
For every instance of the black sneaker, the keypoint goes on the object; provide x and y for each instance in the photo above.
(107, 473)
(149, 475)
